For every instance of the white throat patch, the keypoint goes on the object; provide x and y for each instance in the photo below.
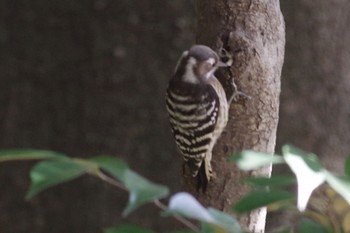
(210, 73)
(189, 76)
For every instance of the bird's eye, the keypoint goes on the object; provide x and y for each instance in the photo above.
(211, 61)
(225, 59)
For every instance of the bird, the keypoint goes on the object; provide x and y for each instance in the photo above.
(198, 109)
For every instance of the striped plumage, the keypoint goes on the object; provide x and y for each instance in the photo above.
(198, 109)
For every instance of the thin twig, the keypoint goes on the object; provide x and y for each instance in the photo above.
(111, 181)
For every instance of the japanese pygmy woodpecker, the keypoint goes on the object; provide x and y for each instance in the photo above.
(198, 109)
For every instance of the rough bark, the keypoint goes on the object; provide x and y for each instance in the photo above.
(253, 32)
(315, 110)
(87, 78)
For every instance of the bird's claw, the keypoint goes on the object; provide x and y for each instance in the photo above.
(237, 94)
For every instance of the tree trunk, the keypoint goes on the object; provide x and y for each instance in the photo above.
(315, 110)
(253, 32)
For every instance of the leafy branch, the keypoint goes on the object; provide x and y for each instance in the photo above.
(309, 176)
(56, 168)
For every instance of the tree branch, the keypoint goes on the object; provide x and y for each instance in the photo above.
(156, 202)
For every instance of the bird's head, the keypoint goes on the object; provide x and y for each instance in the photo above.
(198, 64)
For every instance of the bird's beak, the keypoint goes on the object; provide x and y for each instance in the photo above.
(224, 64)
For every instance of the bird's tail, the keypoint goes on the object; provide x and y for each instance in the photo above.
(204, 175)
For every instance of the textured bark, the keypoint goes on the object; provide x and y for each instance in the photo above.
(253, 32)
(315, 110)
(87, 78)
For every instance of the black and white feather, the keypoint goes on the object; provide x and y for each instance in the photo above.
(198, 109)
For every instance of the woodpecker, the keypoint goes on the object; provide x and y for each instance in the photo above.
(198, 109)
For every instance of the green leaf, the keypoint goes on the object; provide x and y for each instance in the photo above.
(112, 165)
(308, 171)
(182, 231)
(340, 184)
(307, 226)
(141, 191)
(251, 160)
(28, 154)
(186, 205)
(309, 158)
(207, 228)
(285, 230)
(127, 229)
(347, 166)
(275, 180)
(225, 221)
(260, 198)
(46, 174)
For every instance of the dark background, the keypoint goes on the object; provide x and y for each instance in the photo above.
(88, 78)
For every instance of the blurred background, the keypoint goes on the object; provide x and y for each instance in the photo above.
(88, 78)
